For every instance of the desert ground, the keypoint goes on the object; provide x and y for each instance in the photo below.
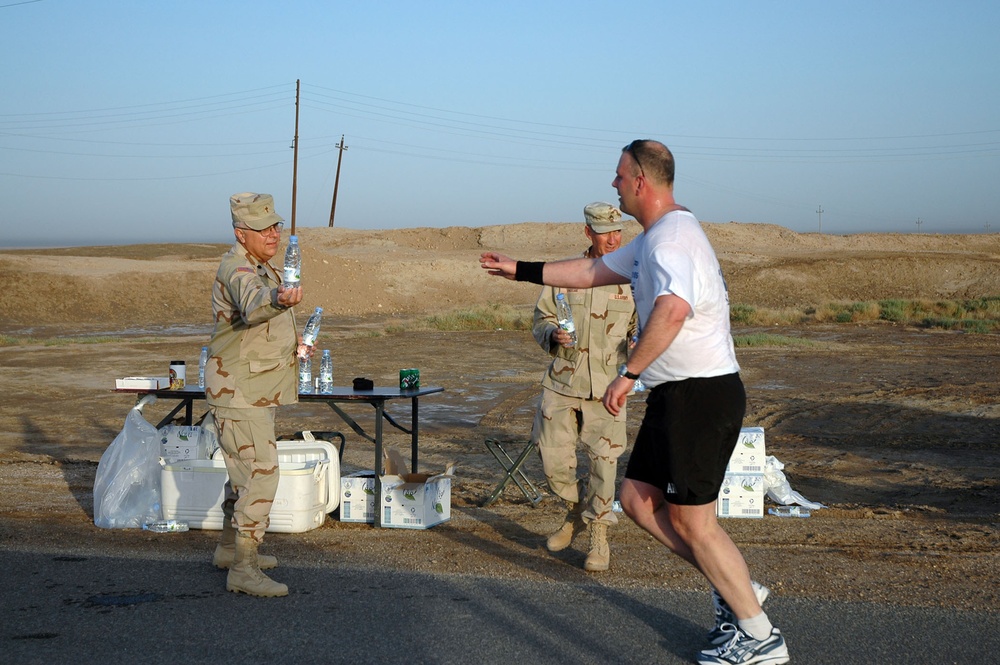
(894, 427)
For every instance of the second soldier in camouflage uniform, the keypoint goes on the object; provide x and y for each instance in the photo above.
(251, 370)
(571, 408)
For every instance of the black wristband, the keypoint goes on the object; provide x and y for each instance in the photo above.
(529, 271)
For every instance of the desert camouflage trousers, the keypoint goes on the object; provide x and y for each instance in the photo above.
(560, 423)
(251, 456)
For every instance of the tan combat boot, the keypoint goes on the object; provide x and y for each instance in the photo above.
(572, 526)
(225, 551)
(599, 557)
(245, 576)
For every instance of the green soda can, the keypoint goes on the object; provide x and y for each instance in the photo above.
(409, 378)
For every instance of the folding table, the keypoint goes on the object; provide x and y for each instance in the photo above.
(377, 397)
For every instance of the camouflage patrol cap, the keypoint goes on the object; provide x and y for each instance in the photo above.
(603, 217)
(255, 211)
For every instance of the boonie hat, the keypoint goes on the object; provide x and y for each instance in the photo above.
(255, 211)
(603, 217)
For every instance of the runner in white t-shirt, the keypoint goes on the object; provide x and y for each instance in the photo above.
(695, 408)
(675, 257)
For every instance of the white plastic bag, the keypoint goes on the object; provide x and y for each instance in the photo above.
(778, 489)
(127, 485)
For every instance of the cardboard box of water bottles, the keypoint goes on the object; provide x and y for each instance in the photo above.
(357, 497)
(408, 501)
(748, 456)
(742, 493)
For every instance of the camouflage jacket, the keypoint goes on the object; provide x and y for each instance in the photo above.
(605, 321)
(251, 361)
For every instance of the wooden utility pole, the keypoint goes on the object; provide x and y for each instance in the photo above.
(295, 155)
(920, 223)
(336, 181)
(820, 213)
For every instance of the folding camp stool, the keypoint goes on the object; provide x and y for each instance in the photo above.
(513, 469)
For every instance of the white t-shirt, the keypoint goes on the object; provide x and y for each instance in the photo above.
(675, 257)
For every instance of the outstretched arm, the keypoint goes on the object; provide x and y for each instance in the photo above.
(572, 273)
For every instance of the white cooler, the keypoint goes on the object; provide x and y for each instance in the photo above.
(308, 488)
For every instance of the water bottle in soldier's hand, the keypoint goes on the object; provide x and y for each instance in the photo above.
(310, 332)
(202, 362)
(293, 264)
(639, 385)
(564, 315)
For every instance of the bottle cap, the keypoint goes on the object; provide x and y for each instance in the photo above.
(319, 309)
(560, 296)
(293, 238)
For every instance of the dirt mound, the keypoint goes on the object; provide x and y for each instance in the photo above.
(407, 271)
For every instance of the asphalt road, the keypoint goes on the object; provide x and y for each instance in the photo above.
(83, 609)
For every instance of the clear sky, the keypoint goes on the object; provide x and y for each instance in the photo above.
(133, 121)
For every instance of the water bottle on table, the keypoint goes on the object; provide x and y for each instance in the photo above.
(326, 373)
(293, 263)
(305, 375)
(564, 315)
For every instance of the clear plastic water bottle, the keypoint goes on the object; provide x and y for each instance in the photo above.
(293, 263)
(565, 317)
(639, 385)
(311, 331)
(789, 511)
(326, 373)
(166, 526)
(202, 362)
(305, 375)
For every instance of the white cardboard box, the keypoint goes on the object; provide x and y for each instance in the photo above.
(749, 456)
(414, 500)
(742, 495)
(357, 497)
(143, 382)
(184, 442)
(308, 488)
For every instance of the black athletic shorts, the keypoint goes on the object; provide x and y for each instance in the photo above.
(687, 436)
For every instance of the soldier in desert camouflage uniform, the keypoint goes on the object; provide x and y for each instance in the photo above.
(251, 370)
(571, 408)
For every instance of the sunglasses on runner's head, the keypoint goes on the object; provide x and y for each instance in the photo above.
(630, 149)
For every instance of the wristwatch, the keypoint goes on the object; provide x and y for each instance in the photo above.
(623, 371)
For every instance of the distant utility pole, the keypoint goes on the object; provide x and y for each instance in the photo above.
(820, 213)
(987, 227)
(295, 155)
(336, 181)
(919, 222)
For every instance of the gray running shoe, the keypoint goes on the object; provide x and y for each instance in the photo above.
(724, 615)
(742, 649)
